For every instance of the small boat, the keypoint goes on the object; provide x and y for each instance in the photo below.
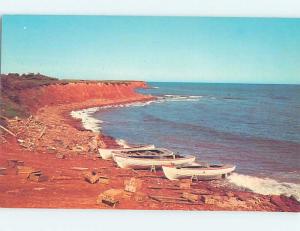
(106, 153)
(198, 172)
(151, 162)
(144, 152)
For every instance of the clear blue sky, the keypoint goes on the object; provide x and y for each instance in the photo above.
(194, 49)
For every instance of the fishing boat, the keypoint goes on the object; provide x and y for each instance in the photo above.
(151, 162)
(198, 172)
(144, 152)
(106, 153)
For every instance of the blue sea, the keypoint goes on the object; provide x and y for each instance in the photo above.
(255, 127)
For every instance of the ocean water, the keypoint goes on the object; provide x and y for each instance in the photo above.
(255, 127)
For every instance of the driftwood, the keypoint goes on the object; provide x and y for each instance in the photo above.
(8, 131)
(79, 168)
(42, 132)
(158, 188)
(65, 178)
(37, 176)
(173, 200)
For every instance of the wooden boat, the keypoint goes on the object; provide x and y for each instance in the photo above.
(199, 172)
(144, 152)
(106, 153)
(151, 162)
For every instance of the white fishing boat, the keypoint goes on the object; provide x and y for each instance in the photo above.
(106, 153)
(151, 162)
(144, 152)
(198, 172)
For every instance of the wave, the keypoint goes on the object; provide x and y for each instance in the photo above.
(160, 99)
(88, 121)
(265, 186)
(122, 143)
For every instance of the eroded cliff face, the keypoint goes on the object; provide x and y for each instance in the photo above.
(35, 98)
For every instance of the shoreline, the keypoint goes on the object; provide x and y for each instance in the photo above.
(66, 187)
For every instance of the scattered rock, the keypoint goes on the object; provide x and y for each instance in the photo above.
(185, 184)
(91, 177)
(140, 197)
(14, 163)
(37, 176)
(207, 199)
(60, 156)
(133, 184)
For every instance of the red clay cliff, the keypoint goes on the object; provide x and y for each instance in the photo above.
(47, 140)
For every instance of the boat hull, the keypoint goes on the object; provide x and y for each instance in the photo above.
(172, 173)
(139, 163)
(106, 153)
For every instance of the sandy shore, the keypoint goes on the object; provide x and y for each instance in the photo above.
(56, 144)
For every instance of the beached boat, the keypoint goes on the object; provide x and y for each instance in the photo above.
(106, 153)
(151, 162)
(144, 152)
(199, 172)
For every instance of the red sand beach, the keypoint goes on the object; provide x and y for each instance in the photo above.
(56, 146)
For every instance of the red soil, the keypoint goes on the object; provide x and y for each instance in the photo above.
(66, 188)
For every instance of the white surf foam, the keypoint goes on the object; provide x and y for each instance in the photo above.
(265, 186)
(122, 143)
(160, 99)
(88, 121)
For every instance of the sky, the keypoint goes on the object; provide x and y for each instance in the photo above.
(184, 49)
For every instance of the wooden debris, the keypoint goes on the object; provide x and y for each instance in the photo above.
(42, 133)
(190, 197)
(8, 131)
(38, 176)
(91, 177)
(14, 163)
(64, 178)
(79, 168)
(2, 171)
(24, 171)
(132, 185)
(111, 197)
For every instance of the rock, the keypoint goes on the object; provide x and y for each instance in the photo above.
(277, 200)
(185, 184)
(60, 156)
(242, 196)
(103, 180)
(208, 199)
(140, 197)
(132, 185)
(229, 194)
